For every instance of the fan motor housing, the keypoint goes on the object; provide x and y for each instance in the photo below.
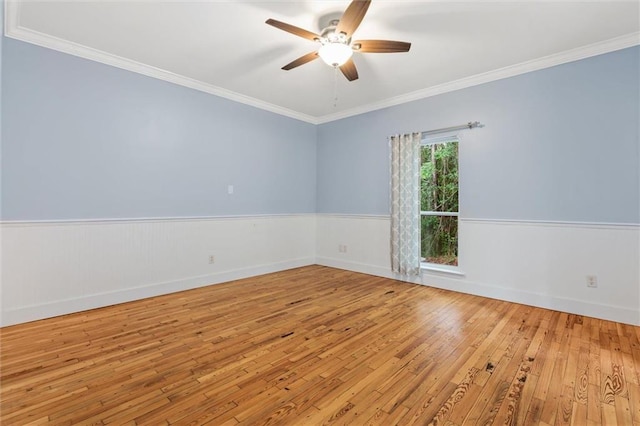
(329, 34)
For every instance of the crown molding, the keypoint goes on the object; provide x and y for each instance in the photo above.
(13, 30)
(606, 46)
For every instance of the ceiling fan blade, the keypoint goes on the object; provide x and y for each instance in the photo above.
(293, 29)
(349, 70)
(380, 46)
(301, 61)
(352, 17)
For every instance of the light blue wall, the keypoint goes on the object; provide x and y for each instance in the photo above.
(84, 140)
(560, 144)
(1, 84)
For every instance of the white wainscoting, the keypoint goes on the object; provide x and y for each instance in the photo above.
(54, 268)
(541, 264)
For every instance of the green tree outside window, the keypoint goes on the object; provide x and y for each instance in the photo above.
(439, 203)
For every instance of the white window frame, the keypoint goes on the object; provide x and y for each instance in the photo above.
(435, 267)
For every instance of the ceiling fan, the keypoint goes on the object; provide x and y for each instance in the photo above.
(336, 45)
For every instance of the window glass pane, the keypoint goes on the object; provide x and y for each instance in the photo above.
(439, 239)
(439, 177)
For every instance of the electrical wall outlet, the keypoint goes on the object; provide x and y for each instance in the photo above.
(592, 281)
(212, 259)
(342, 248)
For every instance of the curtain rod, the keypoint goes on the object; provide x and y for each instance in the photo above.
(469, 125)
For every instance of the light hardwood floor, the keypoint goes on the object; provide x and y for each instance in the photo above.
(318, 345)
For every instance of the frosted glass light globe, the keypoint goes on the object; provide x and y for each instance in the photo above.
(335, 54)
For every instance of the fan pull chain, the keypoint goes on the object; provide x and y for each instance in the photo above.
(335, 87)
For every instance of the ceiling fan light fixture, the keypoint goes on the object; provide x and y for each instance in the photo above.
(335, 54)
(335, 39)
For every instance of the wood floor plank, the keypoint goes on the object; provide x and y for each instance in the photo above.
(634, 403)
(317, 345)
(594, 404)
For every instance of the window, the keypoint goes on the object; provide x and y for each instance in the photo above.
(439, 200)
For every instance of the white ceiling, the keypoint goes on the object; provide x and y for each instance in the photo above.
(224, 47)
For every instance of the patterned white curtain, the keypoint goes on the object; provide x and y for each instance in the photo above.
(405, 203)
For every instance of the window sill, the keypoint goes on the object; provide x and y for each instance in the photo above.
(445, 269)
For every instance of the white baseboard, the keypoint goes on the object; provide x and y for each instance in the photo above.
(364, 268)
(573, 306)
(78, 304)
